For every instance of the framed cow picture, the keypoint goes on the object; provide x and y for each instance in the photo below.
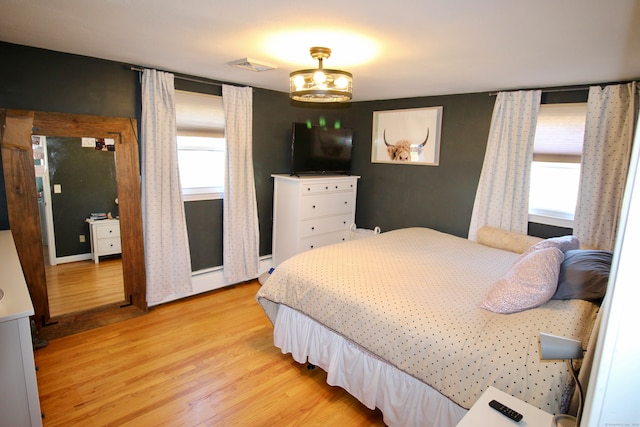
(410, 136)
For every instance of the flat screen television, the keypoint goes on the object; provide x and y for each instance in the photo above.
(320, 150)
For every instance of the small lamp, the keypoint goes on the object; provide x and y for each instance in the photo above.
(553, 347)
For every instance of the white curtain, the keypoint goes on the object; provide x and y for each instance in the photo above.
(605, 160)
(167, 258)
(240, 213)
(502, 197)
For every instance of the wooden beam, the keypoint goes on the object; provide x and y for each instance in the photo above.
(22, 204)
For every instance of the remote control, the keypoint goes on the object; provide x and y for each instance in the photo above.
(506, 411)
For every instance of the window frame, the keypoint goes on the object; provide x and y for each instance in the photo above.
(556, 218)
(190, 194)
(199, 115)
(552, 217)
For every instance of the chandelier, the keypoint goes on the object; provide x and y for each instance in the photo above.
(320, 85)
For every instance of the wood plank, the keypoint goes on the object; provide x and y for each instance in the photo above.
(73, 323)
(84, 285)
(207, 360)
(22, 204)
(130, 210)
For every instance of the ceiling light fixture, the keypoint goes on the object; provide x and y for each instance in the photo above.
(320, 85)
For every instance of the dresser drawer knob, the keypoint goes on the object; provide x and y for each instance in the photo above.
(314, 206)
(313, 228)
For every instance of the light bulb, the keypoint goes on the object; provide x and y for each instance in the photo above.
(342, 82)
(298, 81)
(319, 77)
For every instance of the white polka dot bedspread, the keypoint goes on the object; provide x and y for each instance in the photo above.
(411, 297)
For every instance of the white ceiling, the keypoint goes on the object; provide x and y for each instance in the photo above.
(395, 49)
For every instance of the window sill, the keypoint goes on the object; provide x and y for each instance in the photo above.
(202, 196)
(551, 220)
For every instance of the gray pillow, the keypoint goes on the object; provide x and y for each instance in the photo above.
(584, 274)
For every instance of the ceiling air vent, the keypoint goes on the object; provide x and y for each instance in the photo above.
(252, 65)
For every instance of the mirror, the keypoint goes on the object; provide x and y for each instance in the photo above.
(76, 186)
(18, 165)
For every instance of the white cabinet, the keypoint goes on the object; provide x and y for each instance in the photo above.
(310, 212)
(105, 238)
(19, 402)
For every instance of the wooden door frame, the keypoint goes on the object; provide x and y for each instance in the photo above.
(17, 159)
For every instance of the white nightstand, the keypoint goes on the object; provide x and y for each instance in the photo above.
(105, 237)
(481, 414)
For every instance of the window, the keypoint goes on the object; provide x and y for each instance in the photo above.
(555, 170)
(201, 164)
(201, 145)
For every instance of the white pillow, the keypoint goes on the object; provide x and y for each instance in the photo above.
(530, 282)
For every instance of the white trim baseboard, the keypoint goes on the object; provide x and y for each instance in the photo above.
(72, 258)
(211, 279)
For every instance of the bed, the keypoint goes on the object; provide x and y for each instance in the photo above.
(395, 320)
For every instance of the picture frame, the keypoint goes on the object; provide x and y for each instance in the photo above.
(408, 136)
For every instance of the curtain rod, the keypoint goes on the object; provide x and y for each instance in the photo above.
(567, 89)
(190, 79)
(564, 89)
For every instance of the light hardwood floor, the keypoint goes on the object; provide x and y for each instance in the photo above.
(83, 285)
(205, 361)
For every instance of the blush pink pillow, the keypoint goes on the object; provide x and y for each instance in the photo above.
(564, 243)
(531, 281)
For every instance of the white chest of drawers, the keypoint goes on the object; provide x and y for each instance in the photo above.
(105, 238)
(310, 212)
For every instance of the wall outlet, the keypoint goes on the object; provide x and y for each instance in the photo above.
(83, 238)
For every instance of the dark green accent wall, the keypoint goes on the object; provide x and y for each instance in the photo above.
(395, 196)
(547, 231)
(87, 178)
(204, 228)
(390, 195)
(43, 80)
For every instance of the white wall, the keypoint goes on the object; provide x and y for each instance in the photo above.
(612, 398)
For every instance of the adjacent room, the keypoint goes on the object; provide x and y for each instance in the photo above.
(263, 213)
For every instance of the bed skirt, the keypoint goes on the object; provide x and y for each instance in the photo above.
(403, 400)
